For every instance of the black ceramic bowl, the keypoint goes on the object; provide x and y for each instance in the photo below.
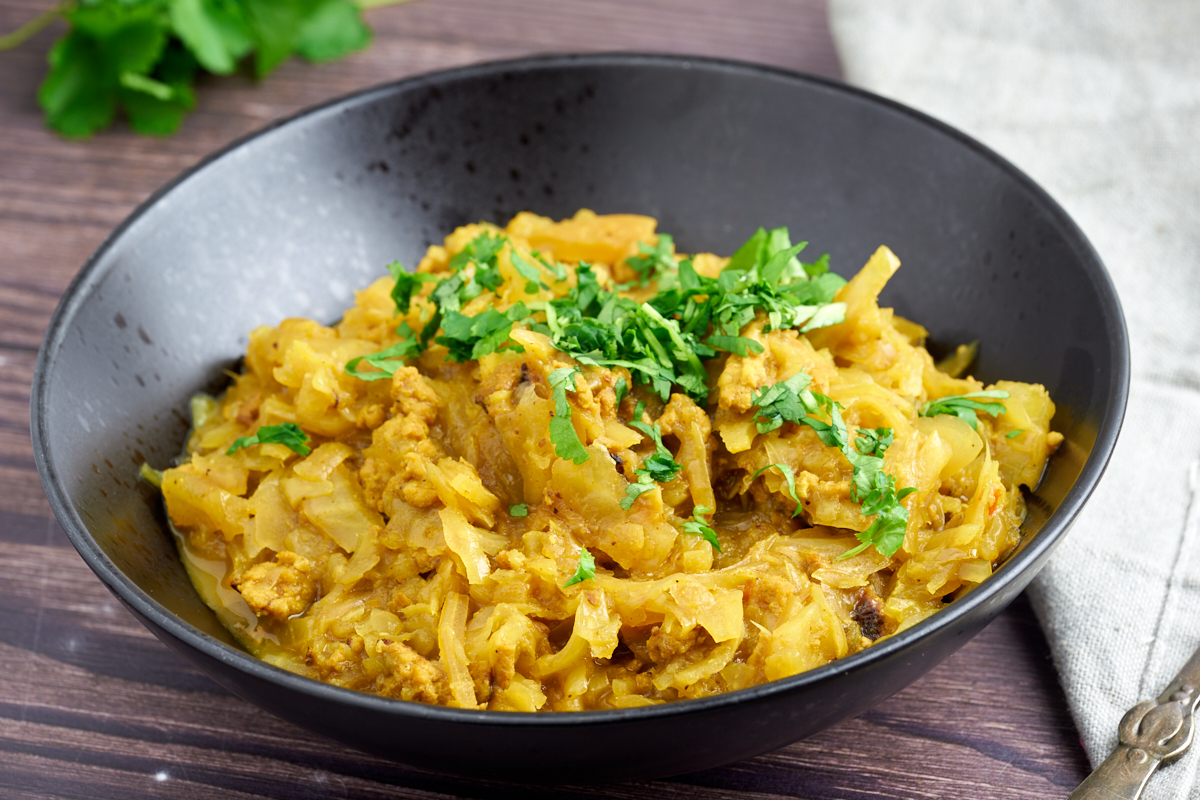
(290, 221)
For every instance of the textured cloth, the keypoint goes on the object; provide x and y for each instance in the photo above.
(1098, 101)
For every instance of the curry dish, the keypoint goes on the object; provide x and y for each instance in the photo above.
(563, 467)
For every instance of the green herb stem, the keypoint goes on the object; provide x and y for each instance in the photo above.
(35, 25)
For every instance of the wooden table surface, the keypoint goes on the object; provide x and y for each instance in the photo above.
(93, 706)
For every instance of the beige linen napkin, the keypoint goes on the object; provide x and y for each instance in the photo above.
(1099, 101)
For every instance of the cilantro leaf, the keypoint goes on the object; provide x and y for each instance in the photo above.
(562, 432)
(780, 403)
(870, 486)
(739, 345)
(788, 475)
(519, 510)
(481, 254)
(698, 527)
(654, 262)
(216, 32)
(964, 406)
(530, 272)
(886, 533)
(117, 54)
(633, 491)
(658, 467)
(287, 433)
(792, 401)
(471, 338)
(621, 389)
(388, 360)
(109, 45)
(157, 104)
(333, 29)
(1014, 433)
(77, 95)
(874, 442)
(809, 318)
(407, 285)
(585, 570)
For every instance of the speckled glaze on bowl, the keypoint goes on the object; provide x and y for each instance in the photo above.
(290, 221)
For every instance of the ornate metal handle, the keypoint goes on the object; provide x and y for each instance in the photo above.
(1153, 733)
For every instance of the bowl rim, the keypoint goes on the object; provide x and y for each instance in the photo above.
(1030, 555)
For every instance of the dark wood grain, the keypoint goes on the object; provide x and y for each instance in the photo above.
(91, 705)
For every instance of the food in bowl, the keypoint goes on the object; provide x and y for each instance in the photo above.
(562, 467)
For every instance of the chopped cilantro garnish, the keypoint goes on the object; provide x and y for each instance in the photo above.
(533, 279)
(585, 570)
(654, 262)
(658, 467)
(697, 526)
(964, 406)
(562, 432)
(407, 284)
(621, 389)
(388, 360)
(287, 433)
(872, 488)
(471, 338)
(519, 510)
(788, 475)
(874, 442)
(780, 403)
(663, 342)
(792, 401)
(1014, 433)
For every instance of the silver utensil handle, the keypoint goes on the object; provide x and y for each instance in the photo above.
(1152, 733)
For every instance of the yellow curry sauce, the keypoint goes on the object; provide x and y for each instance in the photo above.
(394, 558)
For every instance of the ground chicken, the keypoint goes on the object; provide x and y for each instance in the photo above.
(281, 588)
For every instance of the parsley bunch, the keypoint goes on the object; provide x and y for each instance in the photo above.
(142, 56)
(872, 488)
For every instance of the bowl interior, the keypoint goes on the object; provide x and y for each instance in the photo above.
(291, 221)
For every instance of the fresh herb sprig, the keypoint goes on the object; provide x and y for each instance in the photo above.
(965, 406)
(658, 467)
(287, 433)
(142, 56)
(871, 487)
